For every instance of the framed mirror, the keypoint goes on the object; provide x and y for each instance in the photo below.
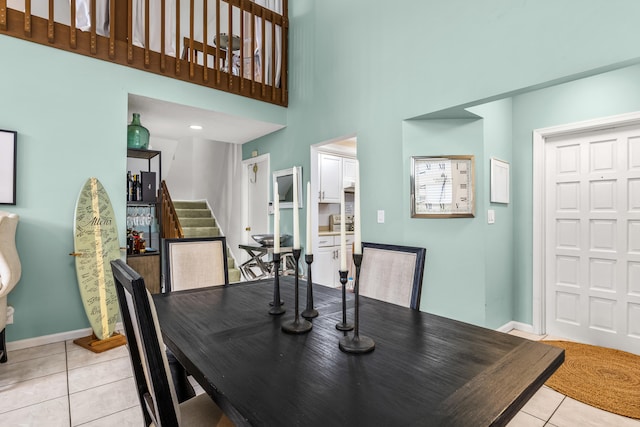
(284, 178)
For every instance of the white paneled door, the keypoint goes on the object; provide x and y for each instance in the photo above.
(256, 179)
(592, 237)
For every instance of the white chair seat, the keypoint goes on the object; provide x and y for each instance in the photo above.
(201, 411)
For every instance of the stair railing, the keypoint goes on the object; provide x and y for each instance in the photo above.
(243, 50)
(171, 228)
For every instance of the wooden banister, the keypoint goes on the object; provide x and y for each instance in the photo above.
(118, 46)
(171, 228)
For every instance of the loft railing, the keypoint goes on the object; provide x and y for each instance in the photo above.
(237, 46)
(171, 228)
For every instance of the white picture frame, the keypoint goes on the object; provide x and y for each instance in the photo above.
(499, 181)
(284, 178)
(8, 146)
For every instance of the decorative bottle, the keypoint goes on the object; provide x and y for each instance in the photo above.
(137, 135)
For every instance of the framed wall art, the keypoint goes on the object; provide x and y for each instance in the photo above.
(499, 181)
(442, 187)
(8, 145)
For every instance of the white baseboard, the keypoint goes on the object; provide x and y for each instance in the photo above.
(515, 325)
(53, 338)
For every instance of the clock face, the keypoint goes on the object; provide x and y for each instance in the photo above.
(442, 186)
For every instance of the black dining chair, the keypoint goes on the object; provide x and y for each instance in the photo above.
(392, 273)
(195, 262)
(160, 406)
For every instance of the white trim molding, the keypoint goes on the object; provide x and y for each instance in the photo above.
(540, 137)
(515, 325)
(53, 338)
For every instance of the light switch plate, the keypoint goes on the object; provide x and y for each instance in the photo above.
(491, 216)
(380, 217)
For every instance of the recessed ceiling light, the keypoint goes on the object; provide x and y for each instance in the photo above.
(196, 127)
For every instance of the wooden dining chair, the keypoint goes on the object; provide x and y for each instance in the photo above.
(195, 263)
(392, 273)
(150, 367)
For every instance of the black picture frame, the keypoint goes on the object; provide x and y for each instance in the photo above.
(8, 149)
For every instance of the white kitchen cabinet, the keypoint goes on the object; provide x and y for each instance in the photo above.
(330, 178)
(348, 172)
(336, 173)
(326, 260)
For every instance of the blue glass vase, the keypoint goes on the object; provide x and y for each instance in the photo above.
(137, 135)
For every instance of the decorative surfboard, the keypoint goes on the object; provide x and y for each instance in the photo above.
(96, 245)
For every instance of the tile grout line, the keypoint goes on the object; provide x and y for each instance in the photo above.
(66, 362)
(564, 397)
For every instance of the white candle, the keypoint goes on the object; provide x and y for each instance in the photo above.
(357, 233)
(276, 219)
(343, 236)
(308, 248)
(296, 219)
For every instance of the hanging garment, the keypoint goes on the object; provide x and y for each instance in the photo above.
(83, 16)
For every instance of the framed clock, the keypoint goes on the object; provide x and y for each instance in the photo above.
(442, 187)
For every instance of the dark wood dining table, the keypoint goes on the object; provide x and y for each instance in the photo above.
(426, 370)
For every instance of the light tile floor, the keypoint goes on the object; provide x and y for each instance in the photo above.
(62, 384)
(552, 409)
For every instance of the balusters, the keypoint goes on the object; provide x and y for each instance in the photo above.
(235, 60)
(263, 50)
(112, 30)
(273, 60)
(284, 51)
(51, 24)
(177, 37)
(217, 61)
(253, 50)
(230, 46)
(241, 68)
(73, 36)
(27, 18)
(129, 31)
(147, 38)
(162, 35)
(205, 57)
(3, 15)
(192, 54)
(93, 41)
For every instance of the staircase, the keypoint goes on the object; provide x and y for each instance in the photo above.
(197, 221)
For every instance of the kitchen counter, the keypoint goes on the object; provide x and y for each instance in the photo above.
(332, 233)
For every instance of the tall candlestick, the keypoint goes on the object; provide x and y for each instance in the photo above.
(357, 232)
(276, 219)
(343, 235)
(308, 248)
(296, 219)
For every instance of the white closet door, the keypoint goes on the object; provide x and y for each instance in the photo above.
(592, 253)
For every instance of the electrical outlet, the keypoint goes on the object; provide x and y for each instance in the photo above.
(381, 217)
(491, 216)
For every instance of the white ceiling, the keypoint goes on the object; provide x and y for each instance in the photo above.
(171, 121)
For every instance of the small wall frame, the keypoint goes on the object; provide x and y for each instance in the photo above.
(284, 178)
(8, 146)
(499, 181)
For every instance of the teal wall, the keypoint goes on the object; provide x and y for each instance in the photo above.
(358, 69)
(612, 93)
(354, 69)
(453, 282)
(70, 113)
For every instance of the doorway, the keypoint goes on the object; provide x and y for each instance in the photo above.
(255, 200)
(587, 232)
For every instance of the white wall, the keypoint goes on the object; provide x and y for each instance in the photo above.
(197, 169)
